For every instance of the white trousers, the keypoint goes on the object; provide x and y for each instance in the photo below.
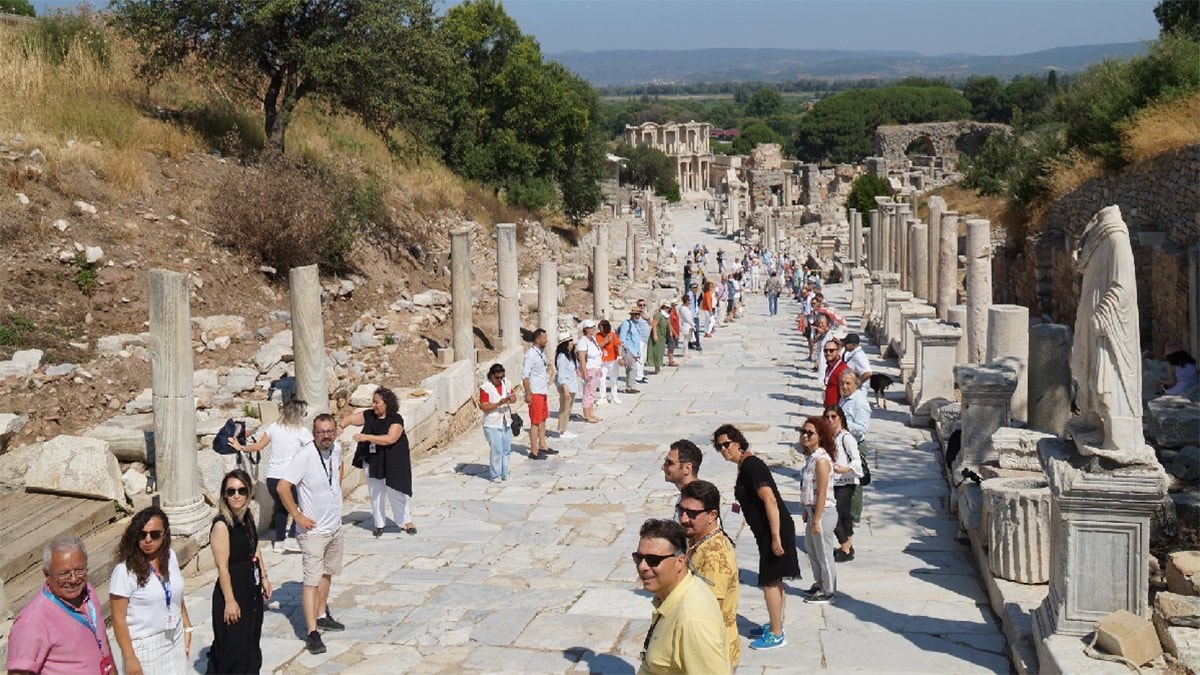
(381, 494)
(641, 364)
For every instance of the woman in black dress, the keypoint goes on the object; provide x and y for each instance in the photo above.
(769, 520)
(242, 585)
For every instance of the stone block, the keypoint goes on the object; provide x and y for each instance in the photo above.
(127, 445)
(1125, 634)
(1016, 517)
(219, 325)
(268, 355)
(1017, 448)
(456, 384)
(135, 483)
(1183, 572)
(22, 363)
(10, 425)
(363, 395)
(239, 380)
(1182, 643)
(1178, 610)
(76, 465)
(1174, 421)
(212, 467)
(15, 464)
(970, 506)
(1186, 465)
(112, 345)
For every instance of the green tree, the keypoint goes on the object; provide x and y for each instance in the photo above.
(1028, 95)
(863, 192)
(18, 7)
(984, 94)
(754, 135)
(1179, 16)
(378, 58)
(764, 102)
(646, 168)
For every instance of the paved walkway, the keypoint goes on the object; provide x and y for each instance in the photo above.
(534, 575)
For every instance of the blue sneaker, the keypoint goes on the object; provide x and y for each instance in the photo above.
(769, 640)
(760, 630)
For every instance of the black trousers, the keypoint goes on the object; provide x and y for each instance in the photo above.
(843, 495)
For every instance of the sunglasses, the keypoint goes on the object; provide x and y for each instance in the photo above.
(830, 350)
(229, 492)
(691, 513)
(807, 432)
(721, 445)
(154, 535)
(651, 559)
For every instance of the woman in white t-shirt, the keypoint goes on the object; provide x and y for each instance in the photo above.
(149, 617)
(589, 353)
(285, 436)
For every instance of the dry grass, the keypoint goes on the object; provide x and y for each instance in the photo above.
(1161, 128)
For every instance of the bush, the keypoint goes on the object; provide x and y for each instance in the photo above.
(57, 35)
(863, 192)
(18, 7)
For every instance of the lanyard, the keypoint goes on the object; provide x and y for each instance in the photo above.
(90, 622)
(166, 586)
(328, 469)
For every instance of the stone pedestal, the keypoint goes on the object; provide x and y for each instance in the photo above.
(308, 338)
(893, 301)
(986, 393)
(957, 315)
(1008, 343)
(979, 287)
(1016, 518)
(947, 262)
(919, 259)
(507, 285)
(858, 288)
(1100, 541)
(906, 346)
(463, 341)
(887, 282)
(176, 467)
(933, 242)
(548, 298)
(630, 253)
(600, 303)
(1049, 377)
(933, 381)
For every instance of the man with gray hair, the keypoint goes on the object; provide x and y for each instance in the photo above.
(61, 630)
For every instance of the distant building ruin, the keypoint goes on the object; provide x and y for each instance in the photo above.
(686, 142)
(940, 139)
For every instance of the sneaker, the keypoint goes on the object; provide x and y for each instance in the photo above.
(821, 598)
(642, 381)
(327, 622)
(812, 590)
(841, 556)
(769, 640)
(377, 532)
(760, 631)
(314, 644)
(568, 434)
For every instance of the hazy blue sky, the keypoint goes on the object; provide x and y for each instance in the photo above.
(927, 26)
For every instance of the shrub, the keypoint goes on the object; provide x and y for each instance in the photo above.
(57, 35)
(863, 192)
(18, 7)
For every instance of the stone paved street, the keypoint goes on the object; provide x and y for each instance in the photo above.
(534, 575)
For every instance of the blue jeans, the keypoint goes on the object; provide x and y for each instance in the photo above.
(696, 332)
(773, 303)
(500, 441)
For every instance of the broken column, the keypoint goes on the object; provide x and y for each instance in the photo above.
(933, 384)
(855, 238)
(919, 257)
(651, 223)
(947, 261)
(979, 287)
(507, 285)
(986, 393)
(308, 338)
(937, 206)
(599, 283)
(630, 253)
(463, 341)
(637, 257)
(859, 281)
(176, 466)
(812, 184)
(548, 298)
(1049, 377)
(902, 226)
(733, 212)
(1008, 343)
(957, 315)
(1016, 518)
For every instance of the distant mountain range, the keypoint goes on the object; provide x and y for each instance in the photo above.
(630, 67)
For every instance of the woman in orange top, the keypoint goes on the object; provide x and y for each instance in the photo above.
(708, 309)
(610, 345)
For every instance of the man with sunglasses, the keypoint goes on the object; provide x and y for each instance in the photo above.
(682, 464)
(687, 633)
(710, 550)
(61, 630)
(317, 474)
(834, 365)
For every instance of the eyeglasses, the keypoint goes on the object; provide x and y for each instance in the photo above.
(691, 513)
(154, 535)
(651, 559)
(669, 463)
(229, 492)
(326, 432)
(807, 432)
(830, 350)
(68, 576)
(721, 445)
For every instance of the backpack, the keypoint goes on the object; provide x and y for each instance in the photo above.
(232, 429)
(866, 477)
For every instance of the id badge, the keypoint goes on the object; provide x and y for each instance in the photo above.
(172, 621)
(373, 448)
(735, 507)
(107, 665)
(257, 572)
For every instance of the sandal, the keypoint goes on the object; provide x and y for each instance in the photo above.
(410, 528)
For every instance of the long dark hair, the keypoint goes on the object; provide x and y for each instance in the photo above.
(131, 554)
(564, 348)
(824, 435)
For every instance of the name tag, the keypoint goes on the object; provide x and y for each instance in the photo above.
(373, 449)
(172, 621)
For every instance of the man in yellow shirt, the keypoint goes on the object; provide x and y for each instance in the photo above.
(711, 553)
(687, 634)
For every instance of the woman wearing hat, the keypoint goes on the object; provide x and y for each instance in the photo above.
(567, 379)
(591, 359)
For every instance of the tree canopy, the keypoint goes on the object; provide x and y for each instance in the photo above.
(18, 7)
(1179, 16)
(647, 167)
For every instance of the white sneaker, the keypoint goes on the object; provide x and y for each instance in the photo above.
(568, 434)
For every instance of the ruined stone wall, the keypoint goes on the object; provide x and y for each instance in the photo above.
(1159, 200)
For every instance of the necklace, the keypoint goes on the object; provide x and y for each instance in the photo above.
(695, 547)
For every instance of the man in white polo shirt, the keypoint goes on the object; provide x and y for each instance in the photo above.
(317, 474)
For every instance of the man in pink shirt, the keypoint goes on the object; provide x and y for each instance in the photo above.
(61, 630)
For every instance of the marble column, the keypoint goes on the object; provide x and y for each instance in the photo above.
(854, 238)
(733, 211)
(986, 393)
(947, 256)
(902, 254)
(637, 256)
(979, 286)
(957, 315)
(1049, 377)
(873, 237)
(507, 285)
(630, 253)
(651, 221)
(463, 342)
(937, 206)
(308, 338)
(933, 383)
(176, 467)
(918, 254)
(1008, 343)
(859, 278)
(548, 298)
(600, 303)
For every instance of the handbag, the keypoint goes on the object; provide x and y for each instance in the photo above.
(517, 423)
(866, 477)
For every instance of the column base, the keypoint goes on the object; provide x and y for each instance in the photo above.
(187, 521)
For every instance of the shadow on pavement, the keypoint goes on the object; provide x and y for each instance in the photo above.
(598, 663)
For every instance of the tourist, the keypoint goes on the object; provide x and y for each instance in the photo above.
(673, 335)
(820, 507)
(384, 453)
(643, 320)
(732, 288)
(856, 358)
(757, 498)
(831, 378)
(610, 347)
(629, 332)
(1181, 372)
(591, 356)
(242, 585)
(496, 397)
(691, 300)
(535, 380)
(720, 260)
(855, 405)
(285, 436)
(711, 553)
(317, 474)
(820, 333)
(660, 331)
(150, 620)
(687, 633)
(708, 309)
(847, 470)
(772, 289)
(682, 463)
(820, 307)
(566, 378)
(61, 628)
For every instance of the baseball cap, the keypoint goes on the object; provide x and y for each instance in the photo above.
(587, 323)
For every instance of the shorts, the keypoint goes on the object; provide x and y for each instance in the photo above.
(539, 409)
(321, 554)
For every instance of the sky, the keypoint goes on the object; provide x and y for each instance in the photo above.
(985, 27)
